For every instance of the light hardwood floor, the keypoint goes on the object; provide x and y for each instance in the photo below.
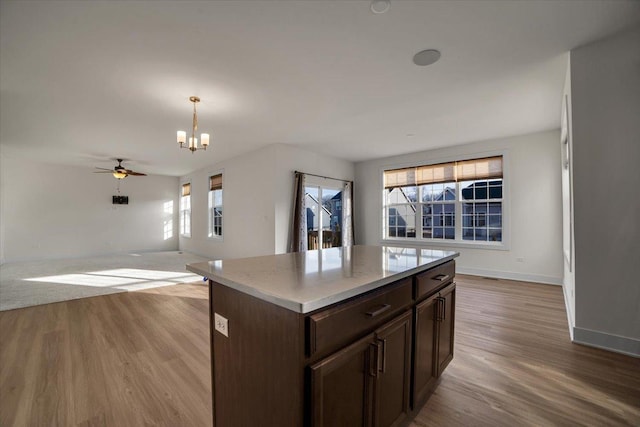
(142, 358)
(129, 359)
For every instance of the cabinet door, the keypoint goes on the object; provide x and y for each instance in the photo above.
(394, 368)
(425, 348)
(446, 320)
(342, 386)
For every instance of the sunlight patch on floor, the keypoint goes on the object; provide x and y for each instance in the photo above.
(129, 279)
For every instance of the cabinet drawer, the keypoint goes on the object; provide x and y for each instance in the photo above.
(343, 323)
(432, 280)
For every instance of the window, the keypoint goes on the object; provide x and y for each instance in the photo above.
(482, 210)
(454, 201)
(324, 216)
(215, 206)
(185, 210)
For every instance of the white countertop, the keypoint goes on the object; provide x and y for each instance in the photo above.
(306, 281)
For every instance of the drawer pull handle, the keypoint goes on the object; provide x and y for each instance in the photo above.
(441, 277)
(379, 311)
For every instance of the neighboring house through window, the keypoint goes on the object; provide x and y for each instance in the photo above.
(453, 201)
(215, 206)
(324, 216)
(185, 210)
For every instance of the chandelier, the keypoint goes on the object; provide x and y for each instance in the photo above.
(193, 141)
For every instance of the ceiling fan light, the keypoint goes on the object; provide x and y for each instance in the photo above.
(182, 137)
(119, 175)
(204, 139)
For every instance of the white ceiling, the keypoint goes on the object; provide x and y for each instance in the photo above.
(85, 81)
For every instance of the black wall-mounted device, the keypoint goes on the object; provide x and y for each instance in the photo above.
(120, 200)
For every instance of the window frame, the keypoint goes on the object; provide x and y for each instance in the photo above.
(323, 183)
(210, 208)
(184, 212)
(458, 242)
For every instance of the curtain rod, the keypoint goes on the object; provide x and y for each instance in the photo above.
(325, 177)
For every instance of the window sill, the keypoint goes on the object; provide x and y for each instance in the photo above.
(186, 236)
(216, 238)
(502, 246)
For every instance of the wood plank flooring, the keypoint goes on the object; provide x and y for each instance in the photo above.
(142, 358)
(129, 359)
(515, 366)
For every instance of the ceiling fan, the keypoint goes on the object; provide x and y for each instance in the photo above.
(119, 172)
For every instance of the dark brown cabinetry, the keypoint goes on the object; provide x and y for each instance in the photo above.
(340, 325)
(366, 383)
(369, 361)
(394, 372)
(434, 330)
(425, 344)
(445, 321)
(342, 386)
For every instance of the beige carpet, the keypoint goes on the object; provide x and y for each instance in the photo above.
(24, 284)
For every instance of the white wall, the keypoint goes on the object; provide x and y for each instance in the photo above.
(52, 212)
(533, 206)
(605, 90)
(288, 160)
(257, 198)
(248, 218)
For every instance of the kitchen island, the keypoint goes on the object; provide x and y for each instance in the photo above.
(342, 336)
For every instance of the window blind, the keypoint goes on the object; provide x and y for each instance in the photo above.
(215, 182)
(489, 167)
(465, 170)
(186, 189)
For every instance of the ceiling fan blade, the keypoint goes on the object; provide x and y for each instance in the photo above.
(119, 170)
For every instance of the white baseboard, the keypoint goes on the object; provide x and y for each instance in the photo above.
(616, 343)
(525, 277)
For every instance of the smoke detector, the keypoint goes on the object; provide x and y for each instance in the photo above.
(426, 57)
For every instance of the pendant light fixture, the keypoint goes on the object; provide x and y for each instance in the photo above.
(193, 141)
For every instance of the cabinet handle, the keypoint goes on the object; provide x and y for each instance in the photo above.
(444, 309)
(441, 277)
(384, 355)
(439, 310)
(374, 349)
(380, 310)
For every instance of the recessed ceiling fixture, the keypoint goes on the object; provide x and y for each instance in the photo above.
(380, 6)
(426, 57)
(193, 141)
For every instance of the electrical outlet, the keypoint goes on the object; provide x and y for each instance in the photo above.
(221, 324)
(520, 259)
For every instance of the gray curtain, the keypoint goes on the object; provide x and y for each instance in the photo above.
(298, 241)
(347, 214)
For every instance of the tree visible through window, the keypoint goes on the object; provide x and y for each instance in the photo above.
(447, 201)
